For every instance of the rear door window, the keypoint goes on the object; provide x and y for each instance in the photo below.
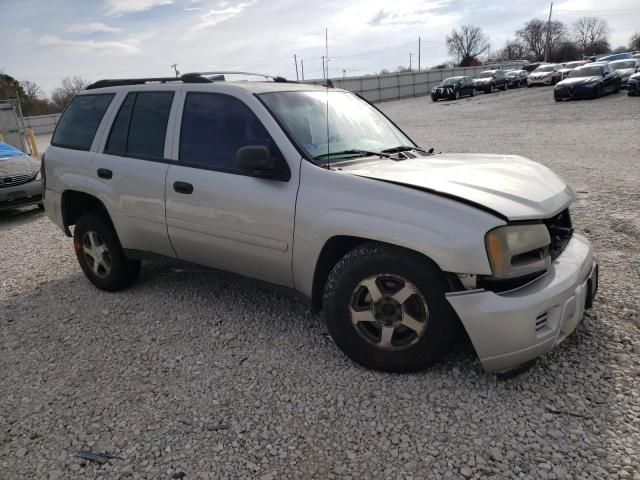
(80, 121)
(140, 127)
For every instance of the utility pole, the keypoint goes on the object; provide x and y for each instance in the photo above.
(324, 72)
(175, 69)
(344, 73)
(295, 60)
(302, 68)
(410, 55)
(546, 48)
(419, 48)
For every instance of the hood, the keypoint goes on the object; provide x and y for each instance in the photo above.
(575, 81)
(482, 80)
(24, 165)
(509, 186)
(635, 77)
(541, 74)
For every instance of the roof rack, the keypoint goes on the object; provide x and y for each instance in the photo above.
(194, 77)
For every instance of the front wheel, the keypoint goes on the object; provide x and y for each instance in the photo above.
(491, 88)
(473, 92)
(616, 89)
(457, 95)
(100, 255)
(386, 310)
(598, 93)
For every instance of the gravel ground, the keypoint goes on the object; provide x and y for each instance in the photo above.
(197, 375)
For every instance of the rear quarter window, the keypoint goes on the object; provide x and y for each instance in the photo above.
(80, 121)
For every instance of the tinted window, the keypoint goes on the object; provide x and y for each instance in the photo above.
(140, 127)
(214, 127)
(80, 121)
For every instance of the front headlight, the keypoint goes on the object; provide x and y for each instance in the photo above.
(518, 250)
(38, 175)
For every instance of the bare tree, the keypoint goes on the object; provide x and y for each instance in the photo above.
(33, 100)
(634, 43)
(513, 50)
(590, 34)
(467, 44)
(71, 86)
(534, 37)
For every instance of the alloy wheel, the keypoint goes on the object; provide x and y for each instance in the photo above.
(96, 254)
(388, 312)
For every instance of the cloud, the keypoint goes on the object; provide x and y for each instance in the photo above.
(225, 12)
(92, 27)
(378, 18)
(119, 7)
(108, 48)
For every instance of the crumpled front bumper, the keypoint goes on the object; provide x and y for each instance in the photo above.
(511, 328)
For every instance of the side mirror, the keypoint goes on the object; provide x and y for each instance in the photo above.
(257, 160)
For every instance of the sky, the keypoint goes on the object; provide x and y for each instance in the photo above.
(45, 41)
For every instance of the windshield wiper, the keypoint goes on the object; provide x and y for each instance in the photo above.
(352, 152)
(406, 148)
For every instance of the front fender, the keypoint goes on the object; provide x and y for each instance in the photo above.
(332, 204)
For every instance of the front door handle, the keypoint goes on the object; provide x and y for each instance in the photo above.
(183, 187)
(105, 173)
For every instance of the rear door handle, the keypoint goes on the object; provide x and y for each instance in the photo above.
(183, 187)
(105, 173)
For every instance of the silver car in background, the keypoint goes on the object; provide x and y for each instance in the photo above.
(626, 68)
(20, 181)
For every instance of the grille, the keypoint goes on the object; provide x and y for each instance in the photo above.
(560, 231)
(541, 321)
(14, 180)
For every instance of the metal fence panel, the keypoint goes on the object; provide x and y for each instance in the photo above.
(390, 86)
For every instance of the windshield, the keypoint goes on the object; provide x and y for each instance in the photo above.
(353, 123)
(545, 68)
(574, 64)
(451, 81)
(486, 75)
(621, 64)
(586, 72)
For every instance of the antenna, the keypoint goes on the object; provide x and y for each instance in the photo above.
(326, 53)
(175, 69)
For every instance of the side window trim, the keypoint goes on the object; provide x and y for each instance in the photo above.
(179, 124)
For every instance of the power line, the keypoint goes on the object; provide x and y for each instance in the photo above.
(624, 10)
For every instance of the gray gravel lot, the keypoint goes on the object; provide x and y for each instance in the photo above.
(197, 375)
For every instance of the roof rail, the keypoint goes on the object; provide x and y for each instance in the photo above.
(275, 78)
(194, 77)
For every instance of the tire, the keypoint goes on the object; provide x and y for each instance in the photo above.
(457, 95)
(490, 88)
(505, 87)
(616, 89)
(113, 270)
(473, 92)
(364, 342)
(598, 93)
(41, 206)
(433, 99)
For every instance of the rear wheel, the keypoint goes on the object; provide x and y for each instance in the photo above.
(100, 255)
(385, 308)
(473, 92)
(457, 95)
(491, 88)
(616, 89)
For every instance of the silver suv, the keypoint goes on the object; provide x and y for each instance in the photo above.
(314, 189)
